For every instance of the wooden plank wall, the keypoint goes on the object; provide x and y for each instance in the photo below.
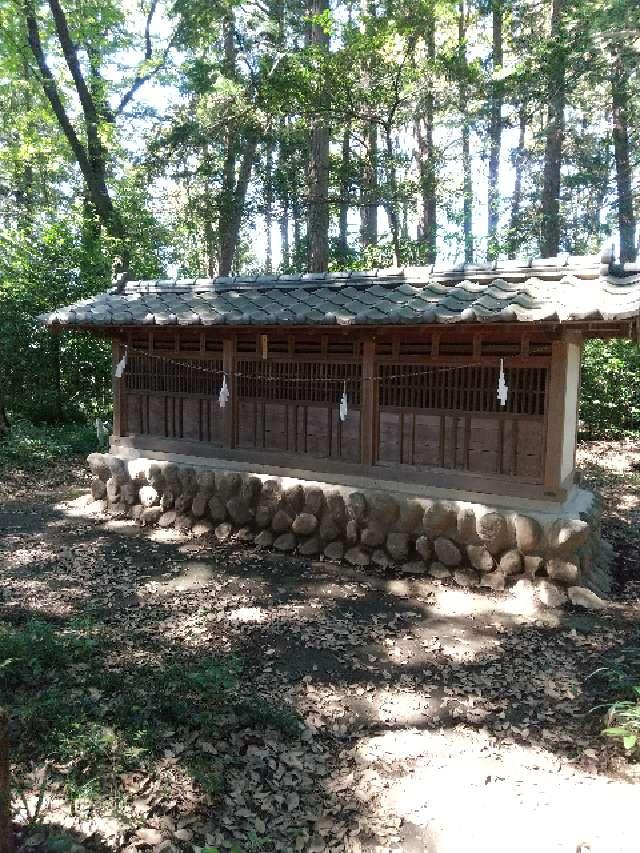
(415, 400)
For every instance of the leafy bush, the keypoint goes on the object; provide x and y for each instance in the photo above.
(34, 447)
(610, 393)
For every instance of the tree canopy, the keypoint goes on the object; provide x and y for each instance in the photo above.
(170, 137)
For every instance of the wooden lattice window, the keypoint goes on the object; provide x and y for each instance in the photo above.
(297, 382)
(462, 389)
(159, 375)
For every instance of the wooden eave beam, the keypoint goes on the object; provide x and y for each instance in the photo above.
(534, 331)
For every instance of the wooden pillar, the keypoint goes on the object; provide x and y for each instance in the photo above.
(231, 409)
(119, 426)
(555, 417)
(368, 403)
(561, 423)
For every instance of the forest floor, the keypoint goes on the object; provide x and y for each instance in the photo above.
(171, 695)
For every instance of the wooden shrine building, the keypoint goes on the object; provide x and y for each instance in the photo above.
(415, 353)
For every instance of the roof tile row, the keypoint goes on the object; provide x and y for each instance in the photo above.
(562, 289)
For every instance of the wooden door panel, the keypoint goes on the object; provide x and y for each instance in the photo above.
(318, 423)
(484, 440)
(348, 436)
(246, 423)
(426, 440)
(273, 425)
(389, 440)
(156, 424)
(191, 419)
(529, 461)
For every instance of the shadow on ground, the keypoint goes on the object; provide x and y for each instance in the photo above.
(417, 702)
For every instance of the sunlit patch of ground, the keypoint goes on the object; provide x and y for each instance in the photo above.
(461, 790)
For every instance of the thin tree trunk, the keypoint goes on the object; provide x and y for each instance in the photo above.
(284, 191)
(5, 424)
(345, 188)
(369, 189)
(550, 237)
(518, 163)
(495, 132)
(209, 215)
(620, 116)
(369, 177)
(209, 241)
(390, 204)
(467, 179)
(298, 259)
(6, 832)
(427, 151)
(318, 211)
(56, 366)
(234, 188)
(284, 233)
(227, 190)
(268, 204)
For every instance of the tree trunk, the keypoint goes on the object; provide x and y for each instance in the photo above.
(284, 233)
(298, 259)
(390, 204)
(92, 157)
(404, 227)
(6, 832)
(495, 132)
(268, 207)
(369, 189)
(550, 236)
(209, 240)
(620, 117)
(56, 368)
(345, 190)
(318, 211)
(234, 187)
(230, 234)
(427, 151)
(467, 179)
(518, 163)
(5, 424)
(369, 175)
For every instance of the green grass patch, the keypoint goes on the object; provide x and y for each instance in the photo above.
(34, 447)
(90, 717)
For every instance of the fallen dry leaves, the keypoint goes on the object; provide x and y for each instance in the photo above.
(396, 686)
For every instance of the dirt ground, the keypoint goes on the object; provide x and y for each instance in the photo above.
(433, 719)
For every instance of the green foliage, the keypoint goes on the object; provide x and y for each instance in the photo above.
(92, 718)
(610, 391)
(27, 654)
(60, 377)
(623, 715)
(33, 447)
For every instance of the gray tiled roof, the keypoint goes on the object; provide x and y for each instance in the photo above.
(556, 289)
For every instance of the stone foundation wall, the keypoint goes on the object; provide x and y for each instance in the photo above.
(473, 544)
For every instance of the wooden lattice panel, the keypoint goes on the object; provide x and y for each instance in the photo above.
(173, 398)
(465, 389)
(292, 406)
(435, 417)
